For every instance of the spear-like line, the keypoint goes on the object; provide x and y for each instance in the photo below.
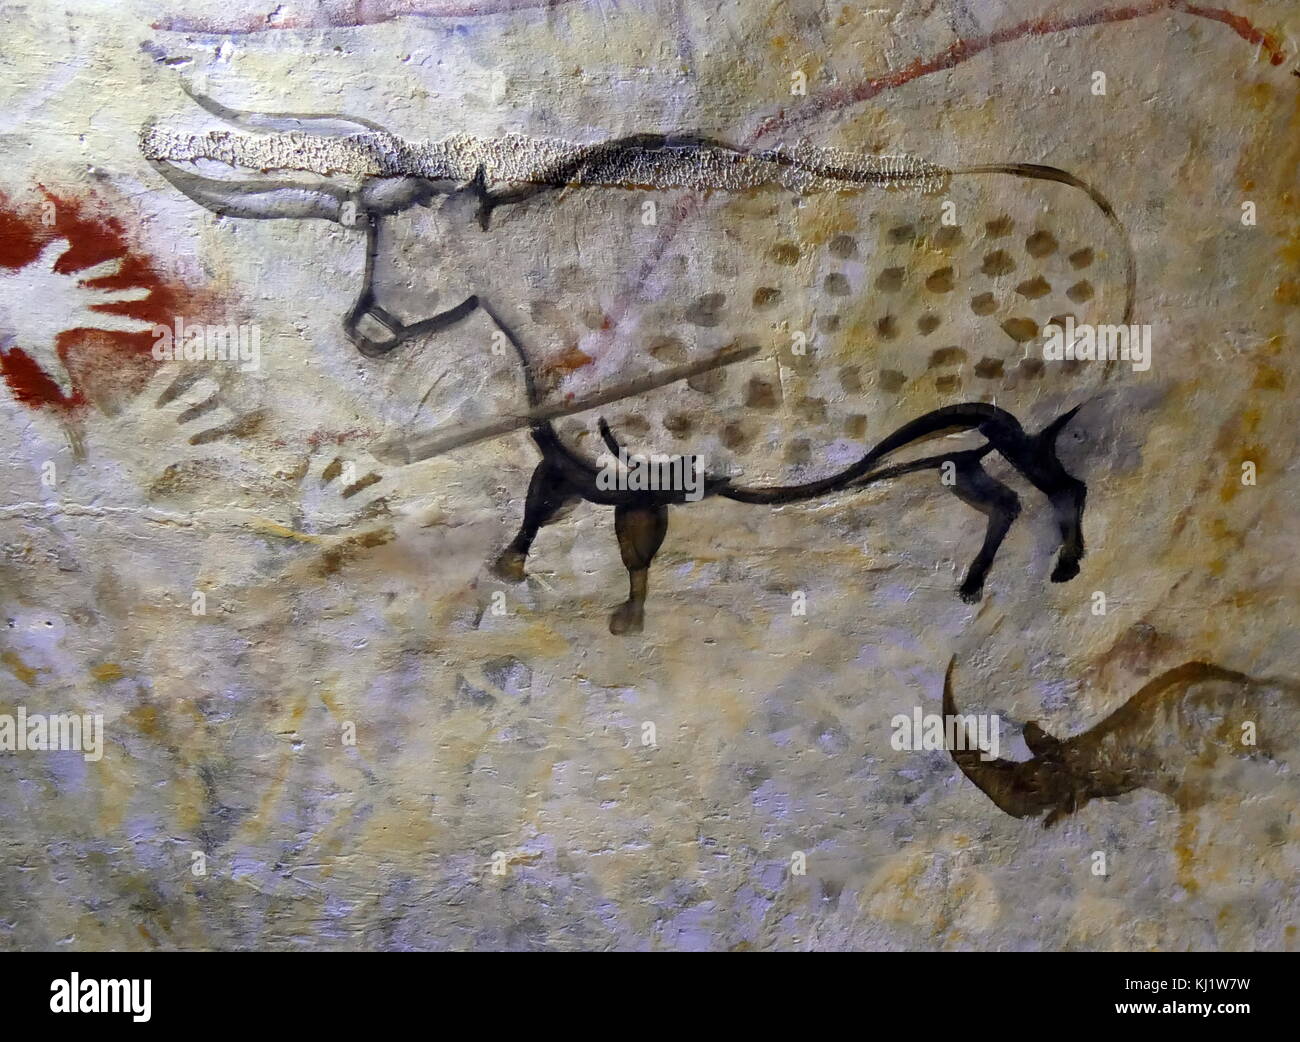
(429, 445)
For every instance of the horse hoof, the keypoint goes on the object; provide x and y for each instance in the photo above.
(1065, 570)
(627, 618)
(509, 566)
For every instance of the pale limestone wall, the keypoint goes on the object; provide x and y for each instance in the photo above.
(521, 733)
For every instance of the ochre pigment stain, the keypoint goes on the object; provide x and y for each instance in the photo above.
(93, 237)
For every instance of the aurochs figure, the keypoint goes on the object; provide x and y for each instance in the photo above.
(851, 296)
(1172, 736)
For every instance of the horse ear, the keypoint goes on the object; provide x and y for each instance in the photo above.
(1050, 433)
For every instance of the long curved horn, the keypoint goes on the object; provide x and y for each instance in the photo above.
(322, 123)
(1023, 790)
(260, 200)
(270, 198)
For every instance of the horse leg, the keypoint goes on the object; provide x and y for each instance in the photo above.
(640, 530)
(547, 493)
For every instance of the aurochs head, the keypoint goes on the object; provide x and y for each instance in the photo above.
(359, 175)
(1188, 717)
(1043, 784)
(354, 201)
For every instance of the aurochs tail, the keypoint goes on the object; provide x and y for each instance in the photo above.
(950, 419)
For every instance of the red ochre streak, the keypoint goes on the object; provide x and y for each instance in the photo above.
(963, 50)
(350, 15)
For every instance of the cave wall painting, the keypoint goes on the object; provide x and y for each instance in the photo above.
(321, 330)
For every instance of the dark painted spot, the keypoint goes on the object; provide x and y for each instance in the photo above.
(984, 304)
(998, 262)
(706, 310)
(799, 451)
(902, 233)
(760, 394)
(927, 324)
(1034, 288)
(988, 368)
(786, 253)
(887, 327)
(892, 380)
(734, 436)
(1080, 291)
(889, 280)
(1041, 243)
(811, 409)
(947, 237)
(851, 378)
(678, 425)
(828, 323)
(947, 383)
(940, 281)
(836, 284)
(855, 427)
(999, 227)
(1081, 258)
(1020, 329)
(947, 356)
(843, 246)
(1031, 367)
(766, 296)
